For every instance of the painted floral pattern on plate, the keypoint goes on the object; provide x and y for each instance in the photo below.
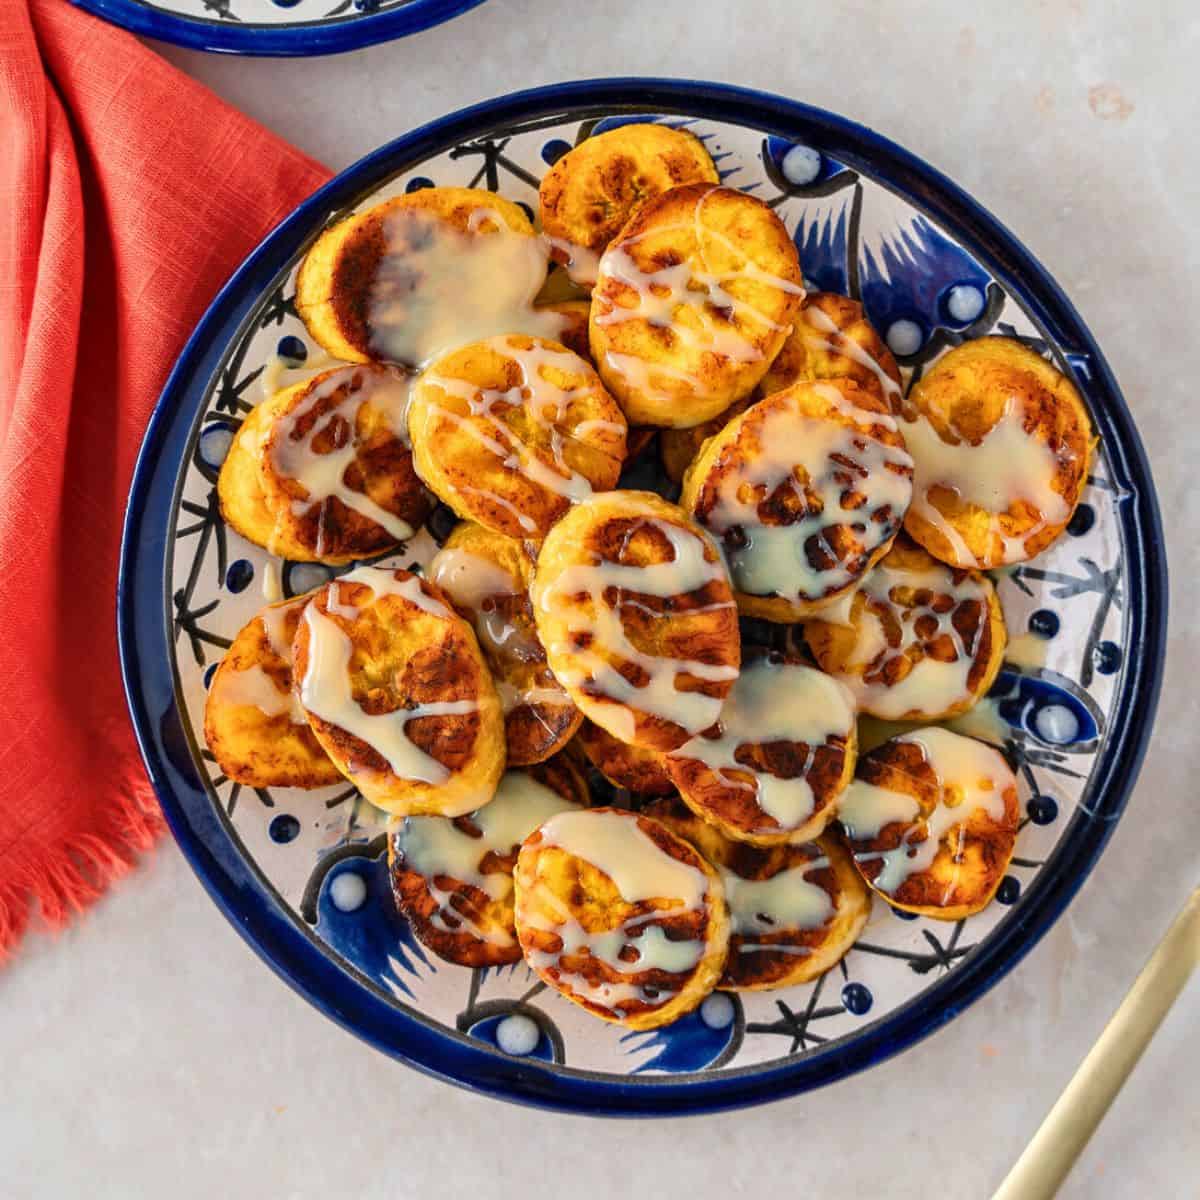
(322, 852)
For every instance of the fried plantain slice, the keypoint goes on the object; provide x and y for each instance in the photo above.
(771, 769)
(634, 608)
(240, 491)
(678, 447)
(833, 339)
(693, 301)
(641, 771)
(806, 491)
(917, 641)
(794, 910)
(574, 332)
(408, 279)
(256, 730)
(593, 190)
(932, 821)
(512, 431)
(336, 473)
(452, 877)
(487, 577)
(396, 690)
(1001, 445)
(620, 916)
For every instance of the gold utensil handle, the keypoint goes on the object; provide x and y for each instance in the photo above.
(1043, 1166)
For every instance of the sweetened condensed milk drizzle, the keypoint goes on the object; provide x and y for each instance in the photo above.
(783, 902)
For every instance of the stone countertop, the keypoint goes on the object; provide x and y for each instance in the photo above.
(147, 1052)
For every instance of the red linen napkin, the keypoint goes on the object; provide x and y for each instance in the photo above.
(128, 194)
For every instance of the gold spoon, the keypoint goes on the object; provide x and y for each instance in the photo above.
(1041, 1169)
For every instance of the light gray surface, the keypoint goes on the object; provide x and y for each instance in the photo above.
(148, 1052)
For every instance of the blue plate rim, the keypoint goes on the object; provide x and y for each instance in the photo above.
(299, 39)
(143, 626)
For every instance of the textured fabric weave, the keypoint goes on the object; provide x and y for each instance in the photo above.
(128, 194)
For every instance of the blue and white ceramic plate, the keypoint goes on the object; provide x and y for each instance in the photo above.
(302, 874)
(282, 28)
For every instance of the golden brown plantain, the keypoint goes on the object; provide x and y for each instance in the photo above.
(592, 191)
(257, 732)
(633, 605)
(806, 491)
(771, 769)
(794, 910)
(917, 641)
(487, 577)
(932, 821)
(1001, 445)
(512, 431)
(421, 273)
(678, 447)
(621, 916)
(239, 484)
(833, 339)
(694, 300)
(335, 469)
(641, 771)
(452, 877)
(398, 694)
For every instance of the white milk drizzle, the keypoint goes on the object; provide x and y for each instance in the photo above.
(470, 580)
(774, 559)
(383, 582)
(253, 687)
(687, 572)
(774, 702)
(272, 586)
(972, 769)
(582, 265)
(436, 848)
(640, 871)
(279, 374)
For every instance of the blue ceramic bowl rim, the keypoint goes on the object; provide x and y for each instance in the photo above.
(301, 38)
(144, 626)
